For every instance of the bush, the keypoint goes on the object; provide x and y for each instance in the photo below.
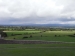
(25, 37)
(30, 36)
(3, 34)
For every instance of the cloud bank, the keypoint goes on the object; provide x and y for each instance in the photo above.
(37, 11)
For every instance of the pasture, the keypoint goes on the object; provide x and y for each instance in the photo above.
(37, 49)
(40, 35)
(67, 49)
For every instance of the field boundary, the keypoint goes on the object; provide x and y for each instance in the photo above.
(2, 41)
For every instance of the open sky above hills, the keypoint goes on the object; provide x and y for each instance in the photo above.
(37, 12)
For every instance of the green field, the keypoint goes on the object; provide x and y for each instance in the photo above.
(47, 36)
(67, 49)
(37, 49)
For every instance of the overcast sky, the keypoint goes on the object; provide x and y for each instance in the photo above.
(37, 11)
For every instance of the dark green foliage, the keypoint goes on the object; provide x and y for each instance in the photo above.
(55, 35)
(14, 38)
(3, 34)
(71, 35)
(31, 36)
(25, 37)
(41, 35)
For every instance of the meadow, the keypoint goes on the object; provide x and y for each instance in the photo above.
(40, 35)
(37, 49)
(67, 49)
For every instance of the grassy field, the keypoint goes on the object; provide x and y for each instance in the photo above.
(47, 36)
(37, 50)
(20, 32)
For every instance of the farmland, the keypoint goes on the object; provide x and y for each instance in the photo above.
(39, 35)
(37, 49)
(53, 49)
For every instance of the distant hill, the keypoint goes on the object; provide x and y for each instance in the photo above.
(47, 25)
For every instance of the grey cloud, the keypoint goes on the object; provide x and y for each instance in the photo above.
(37, 11)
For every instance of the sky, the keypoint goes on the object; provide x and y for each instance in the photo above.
(37, 12)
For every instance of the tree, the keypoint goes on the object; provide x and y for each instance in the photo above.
(3, 34)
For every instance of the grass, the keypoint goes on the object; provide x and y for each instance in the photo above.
(39, 49)
(20, 32)
(47, 36)
(25, 50)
